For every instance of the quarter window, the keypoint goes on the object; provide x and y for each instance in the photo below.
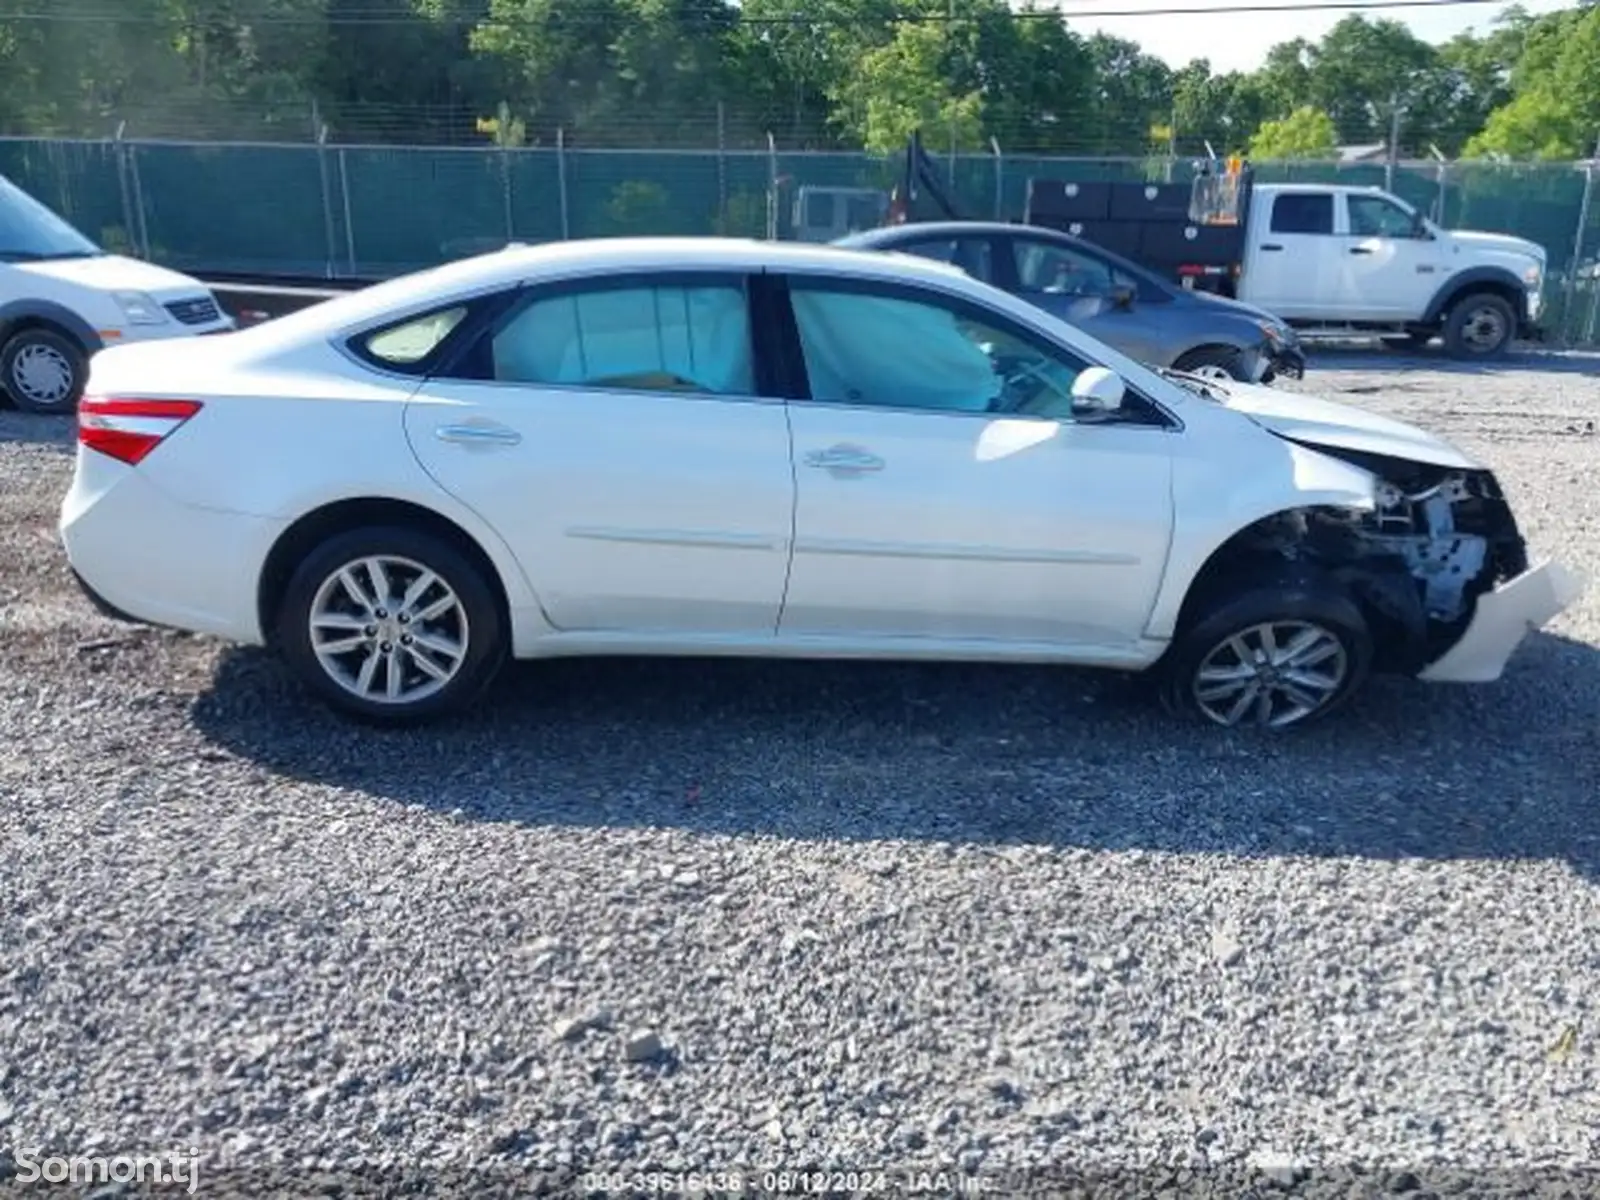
(666, 338)
(403, 347)
(854, 343)
(1303, 212)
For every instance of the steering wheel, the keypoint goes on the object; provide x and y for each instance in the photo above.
(1042, 395)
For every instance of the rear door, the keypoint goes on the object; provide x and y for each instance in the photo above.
(1289, 272)
(614, 432)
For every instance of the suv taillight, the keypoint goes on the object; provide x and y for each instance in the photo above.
(127, 430)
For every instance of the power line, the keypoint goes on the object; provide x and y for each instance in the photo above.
(574, 13)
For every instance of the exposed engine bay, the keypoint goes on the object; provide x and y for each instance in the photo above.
(1438, 539)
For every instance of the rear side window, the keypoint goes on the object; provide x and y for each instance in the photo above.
(411, 346)
(1303, 212)
(658, 336)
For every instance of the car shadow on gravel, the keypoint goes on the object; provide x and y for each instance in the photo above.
(969, 754)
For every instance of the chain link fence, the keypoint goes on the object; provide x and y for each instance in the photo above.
(350, 211)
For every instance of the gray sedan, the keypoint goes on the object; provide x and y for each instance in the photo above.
(1105, 295)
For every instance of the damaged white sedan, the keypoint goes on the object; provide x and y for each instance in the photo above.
(722, 447)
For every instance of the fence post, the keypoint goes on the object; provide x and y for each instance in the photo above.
(349, 225)
(327, 200)
(503, 136)
(120, 151)
(722, 167)
(772, 187)
(143, 229)
(561, 179)
(1394, 143)
(1567, 312)
(999, 180)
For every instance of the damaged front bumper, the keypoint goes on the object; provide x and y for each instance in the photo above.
(1502, 618)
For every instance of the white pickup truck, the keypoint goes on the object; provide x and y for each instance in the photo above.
(1328, 259)
(1337, 260)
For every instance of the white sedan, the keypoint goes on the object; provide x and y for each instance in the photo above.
(705, 446)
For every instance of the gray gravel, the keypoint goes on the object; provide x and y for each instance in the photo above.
(707, 915)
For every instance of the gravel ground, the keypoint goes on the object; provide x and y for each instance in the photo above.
(708, 915)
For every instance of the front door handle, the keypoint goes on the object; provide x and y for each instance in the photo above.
(478, 435)
(844, 460)
(1271, 246)
(1360, 250)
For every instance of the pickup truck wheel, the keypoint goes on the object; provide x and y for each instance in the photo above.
(43, 371)
(1274, 654)
(1213, 362)
(1479, 326)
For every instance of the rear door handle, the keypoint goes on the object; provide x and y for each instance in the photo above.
(1360, 250)
(844, 460)
(478, 435)
(1271, 246)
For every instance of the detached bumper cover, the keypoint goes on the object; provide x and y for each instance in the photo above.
(1503, 618)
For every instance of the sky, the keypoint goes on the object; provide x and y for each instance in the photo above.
(1240, 41)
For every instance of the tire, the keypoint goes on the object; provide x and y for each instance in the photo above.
(43, 371)
(475, 619)
(1213, 362)
(1293, 608)
(1480, 326)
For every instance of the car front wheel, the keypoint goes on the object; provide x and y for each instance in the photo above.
(1214, 362)
(392, 625)
(1275, 655)
(43, 371)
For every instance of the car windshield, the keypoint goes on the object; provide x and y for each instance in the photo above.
(30, 232)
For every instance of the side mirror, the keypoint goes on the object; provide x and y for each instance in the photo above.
(1123, 295)
(1097, 394)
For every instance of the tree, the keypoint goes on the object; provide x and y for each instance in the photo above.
(899, 88)
(1555, 109)
(1305, 133)
(1133, 92)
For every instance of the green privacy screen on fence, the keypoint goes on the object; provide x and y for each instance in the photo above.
(362, 211)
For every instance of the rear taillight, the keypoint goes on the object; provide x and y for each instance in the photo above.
(127, 430)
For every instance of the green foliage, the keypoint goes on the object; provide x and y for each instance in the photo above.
(1305, 133)
(816, 74)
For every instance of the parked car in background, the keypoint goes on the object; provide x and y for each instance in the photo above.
(712, 446)
(1147, 318)
(63, 298)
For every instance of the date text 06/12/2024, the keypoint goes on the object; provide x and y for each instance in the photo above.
(790, 1183)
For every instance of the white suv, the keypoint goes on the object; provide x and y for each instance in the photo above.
(62, 298)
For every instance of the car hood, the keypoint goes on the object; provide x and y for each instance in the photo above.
(114, 273)
(1313, 421)
(1503, 243)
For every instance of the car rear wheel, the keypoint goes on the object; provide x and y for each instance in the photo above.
(1278, 654)
(392, 625)
(1213, 362)
(1480, 326)
(43, 371)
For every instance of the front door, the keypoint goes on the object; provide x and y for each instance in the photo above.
(934, 503)
(1390, 267)
(1078, 286)
(612, 434)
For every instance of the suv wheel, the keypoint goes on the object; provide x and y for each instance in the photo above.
(43, 371)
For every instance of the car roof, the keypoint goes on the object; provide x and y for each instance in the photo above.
(553, 261)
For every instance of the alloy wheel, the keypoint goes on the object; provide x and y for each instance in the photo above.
(1273, 674)
(388, 629)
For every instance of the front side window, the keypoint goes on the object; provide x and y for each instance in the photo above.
(1378, 216)
(1058, 270)
(1303, 212)
(667, 337)
(854, 342)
